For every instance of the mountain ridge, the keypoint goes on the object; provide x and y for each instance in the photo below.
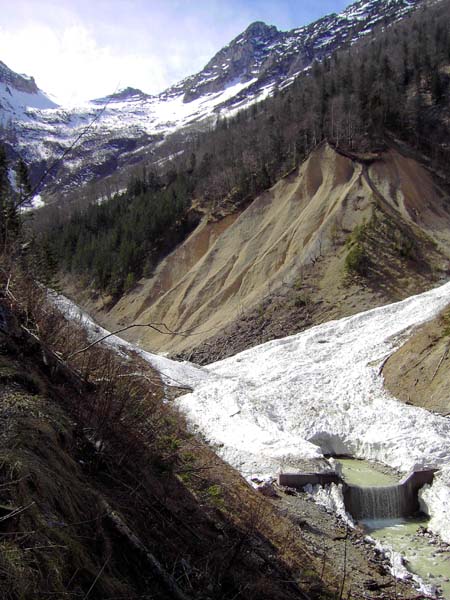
(133, 125)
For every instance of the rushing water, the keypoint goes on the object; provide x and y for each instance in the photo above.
(423, 555)
(378, 502)
(375, 493)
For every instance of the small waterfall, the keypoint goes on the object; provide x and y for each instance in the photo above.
(372, 502)
(387, 502)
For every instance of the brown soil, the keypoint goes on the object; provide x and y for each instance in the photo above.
(279, 265)
(419, 372)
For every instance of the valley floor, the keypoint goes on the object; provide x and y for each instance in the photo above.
(277, 405)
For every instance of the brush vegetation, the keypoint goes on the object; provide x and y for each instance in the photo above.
(105, 494)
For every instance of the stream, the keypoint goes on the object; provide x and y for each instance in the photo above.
(423, 554)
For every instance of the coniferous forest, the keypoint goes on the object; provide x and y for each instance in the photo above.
(393, 85)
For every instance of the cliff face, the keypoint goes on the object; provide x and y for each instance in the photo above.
(16, 81)
(19, 94)
(242, 60)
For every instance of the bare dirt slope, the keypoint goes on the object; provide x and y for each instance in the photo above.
(282, 263)
(419, 372)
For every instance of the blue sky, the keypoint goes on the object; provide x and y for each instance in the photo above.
(80, 49)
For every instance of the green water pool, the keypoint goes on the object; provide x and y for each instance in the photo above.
(366, 474)
(423, 555)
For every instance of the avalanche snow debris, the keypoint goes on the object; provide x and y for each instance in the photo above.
(298, 398)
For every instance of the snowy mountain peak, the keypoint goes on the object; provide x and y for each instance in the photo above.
(19, 95)
(236, 62)
(133, 124)
(271, 56)
(259, 29)
(128, 93)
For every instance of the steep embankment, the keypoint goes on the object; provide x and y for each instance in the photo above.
(418, 373)
(338, 235)
(105, 494)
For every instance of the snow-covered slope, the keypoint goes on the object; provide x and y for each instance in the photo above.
(132, 123)
(19, 95)
(271, 407)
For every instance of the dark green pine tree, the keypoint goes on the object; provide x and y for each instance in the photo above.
(5, 200)
(23, 182)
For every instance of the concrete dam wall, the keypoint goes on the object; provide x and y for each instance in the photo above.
(384, 502)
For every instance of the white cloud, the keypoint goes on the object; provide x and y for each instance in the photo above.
(73, 66)
(82, 49)
(79, 50)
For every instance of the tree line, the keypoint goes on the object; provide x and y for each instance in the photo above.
(392, 83)
(116, 242)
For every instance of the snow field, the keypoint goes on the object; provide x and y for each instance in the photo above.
(274, 406)
(296, 398)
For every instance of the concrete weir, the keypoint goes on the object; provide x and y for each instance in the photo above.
(393, 501)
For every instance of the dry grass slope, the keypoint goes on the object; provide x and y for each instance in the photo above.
(418, 373)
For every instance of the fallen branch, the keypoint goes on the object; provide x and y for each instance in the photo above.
(96, 579)
(105, 337)
(16, 512)
(443, 357)
(158, 327)
(156, 383)
(344, 569)
(167, 579)
(385, 359)
(50, 356)
(161, 328)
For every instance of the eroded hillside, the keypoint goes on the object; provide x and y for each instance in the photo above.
(418, 373)
(341, 234)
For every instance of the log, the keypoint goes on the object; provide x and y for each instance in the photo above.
(167, 579)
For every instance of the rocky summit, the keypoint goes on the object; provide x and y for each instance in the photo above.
(131, 125)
